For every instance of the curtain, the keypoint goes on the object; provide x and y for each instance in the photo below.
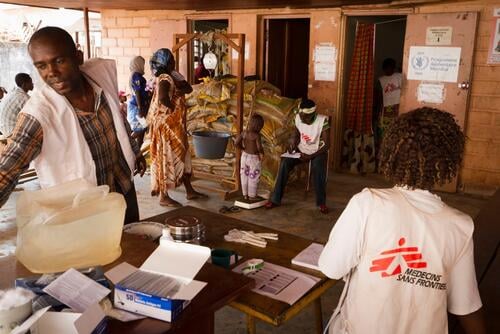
(358, 153)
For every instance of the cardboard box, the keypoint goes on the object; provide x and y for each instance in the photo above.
(92, 321)
(179, 261)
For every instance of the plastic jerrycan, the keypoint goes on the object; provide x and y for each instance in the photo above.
(71, 225)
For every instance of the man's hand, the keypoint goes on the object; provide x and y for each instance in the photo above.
(140, 165)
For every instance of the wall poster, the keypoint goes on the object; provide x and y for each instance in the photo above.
(325, 62)
(494, 49)
(434, 63)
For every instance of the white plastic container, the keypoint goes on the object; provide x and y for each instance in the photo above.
(72, 225)
(15, 307)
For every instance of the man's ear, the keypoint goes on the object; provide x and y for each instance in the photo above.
(79, 57)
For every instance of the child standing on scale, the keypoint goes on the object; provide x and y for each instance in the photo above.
(251, 157)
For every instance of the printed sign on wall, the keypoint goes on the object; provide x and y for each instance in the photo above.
(325, 62)
(494, 49)
(438, 36)
(430, 93)
(434, 63)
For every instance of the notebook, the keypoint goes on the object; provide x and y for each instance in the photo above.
(309, 257)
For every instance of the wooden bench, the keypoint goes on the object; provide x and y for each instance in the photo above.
(486, 243)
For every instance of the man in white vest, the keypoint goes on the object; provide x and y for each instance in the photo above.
(310, 143)
(406, 257)
(72, 127)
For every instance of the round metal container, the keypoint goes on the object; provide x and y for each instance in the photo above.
(186, 228)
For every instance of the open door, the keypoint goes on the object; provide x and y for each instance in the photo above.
(286, 53)
(437, 65)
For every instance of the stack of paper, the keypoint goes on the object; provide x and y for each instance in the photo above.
(309, 257)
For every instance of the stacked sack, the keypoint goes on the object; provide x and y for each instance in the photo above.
(212, 106)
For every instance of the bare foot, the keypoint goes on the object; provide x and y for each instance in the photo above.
(195, 195)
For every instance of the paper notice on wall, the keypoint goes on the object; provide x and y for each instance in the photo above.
(438, 36)
(324, 72)
(494, 48)
(434, 63)
(325, 53)
(430, 93)
(234, 53)
(325, 62)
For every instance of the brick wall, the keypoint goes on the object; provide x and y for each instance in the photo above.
(481, 168)
(128, 33)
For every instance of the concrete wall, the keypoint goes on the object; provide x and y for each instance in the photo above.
(128, 33)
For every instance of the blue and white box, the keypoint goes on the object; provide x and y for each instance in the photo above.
(173, 261)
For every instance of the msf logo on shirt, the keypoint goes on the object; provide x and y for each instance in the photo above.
(390, 87)
(389, 264)
(306, 138)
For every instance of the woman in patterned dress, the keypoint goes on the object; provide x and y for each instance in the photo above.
(171, 160)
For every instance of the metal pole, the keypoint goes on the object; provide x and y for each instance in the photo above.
(87, 30)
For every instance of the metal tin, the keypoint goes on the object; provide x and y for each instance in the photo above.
(186, 228)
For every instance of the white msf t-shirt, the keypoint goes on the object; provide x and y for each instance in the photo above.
(391, 88)
(310, 134)
(406, 257)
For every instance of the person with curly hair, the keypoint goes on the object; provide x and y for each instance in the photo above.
(407, 258)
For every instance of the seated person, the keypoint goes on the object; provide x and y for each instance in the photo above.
(406, 256)
(311, 141)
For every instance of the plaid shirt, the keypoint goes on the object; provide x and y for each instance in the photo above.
(10, 108)
(99, 132)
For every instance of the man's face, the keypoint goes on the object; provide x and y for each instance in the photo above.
(307, 118)
(56, 64)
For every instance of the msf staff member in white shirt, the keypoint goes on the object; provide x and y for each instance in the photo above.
(407, 257)
(311, 140)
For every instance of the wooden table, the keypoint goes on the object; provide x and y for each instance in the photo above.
(279, 252)
(223, 287)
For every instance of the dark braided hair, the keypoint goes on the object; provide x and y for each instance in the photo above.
(422, 148)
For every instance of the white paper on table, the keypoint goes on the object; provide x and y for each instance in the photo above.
(295, 285)
(76, 290)
(291, 155)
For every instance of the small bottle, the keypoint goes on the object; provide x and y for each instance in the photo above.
(165, 235)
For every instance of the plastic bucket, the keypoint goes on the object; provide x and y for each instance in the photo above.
(210, 144)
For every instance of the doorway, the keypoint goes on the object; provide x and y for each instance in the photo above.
(199, 48)
(286, 55)
(359, 146)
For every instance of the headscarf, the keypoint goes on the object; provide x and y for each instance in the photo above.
(307, 110)
(137, 65)
(160, 59)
